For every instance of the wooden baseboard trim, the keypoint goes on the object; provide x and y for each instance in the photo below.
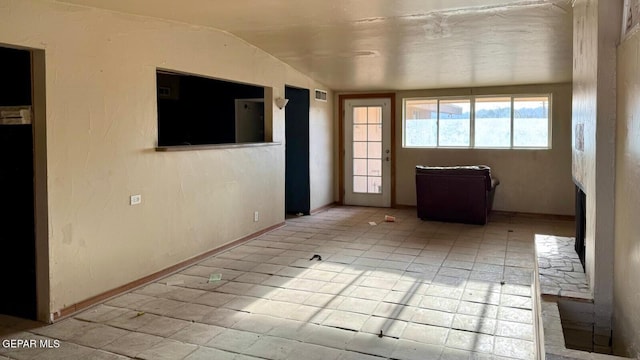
(323, 208)
(404, 207)
(535, 215)
(100, 298)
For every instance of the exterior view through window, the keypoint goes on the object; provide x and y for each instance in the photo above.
(367, 149)
(494, 122)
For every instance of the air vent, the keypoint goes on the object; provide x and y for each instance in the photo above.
(321, 95)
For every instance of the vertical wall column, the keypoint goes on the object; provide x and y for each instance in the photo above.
(596, 33)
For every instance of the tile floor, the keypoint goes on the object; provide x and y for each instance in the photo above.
(410, 289)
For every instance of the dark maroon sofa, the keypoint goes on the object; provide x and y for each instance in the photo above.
(457, 194)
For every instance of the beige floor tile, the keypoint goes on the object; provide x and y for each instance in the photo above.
(224, 317)
(515, 330)
(372, 345)
(183, 294)
(205, 353)
(313, 352)
(65, 329)
(160, 306)
(66, 351)
(214, 299)
(168, 350)
(478, 309)
(98, 336)
(234, 340)
(133, 344)
(514, 348)
(290, 295)
(163, 326)
(457, 354)
(481, 296)
(104, 355)
(470, 341)
(356, 305)
(351, 355)
(474, 324)
(346, 320)
(327, 301)
(432, 317)
(364, 292)
(101, 313)
(411, 350)
(130, 300)
(132, 320)
(514, 301)
(242, 303)
(199, 334)
(439, 303)
(310, 314)
(271, 348)
(389, 327)
(260, 324)
(290, 329)
(191, 312)
(425, 334)
(327, 336)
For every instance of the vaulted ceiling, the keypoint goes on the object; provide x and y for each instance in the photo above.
(365, 45)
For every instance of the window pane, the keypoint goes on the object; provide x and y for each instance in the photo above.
(374, 168)
(359, 132)
(421, 126)
(360, 115)
(531, 122)
(360, 184)
(360, 167)
(454, 123)
(375, 133)
(493, 122)
(375, 150)
(375, 185)
(360, 150)
(375, 115)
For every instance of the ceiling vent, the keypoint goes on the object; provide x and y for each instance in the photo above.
(321, 95)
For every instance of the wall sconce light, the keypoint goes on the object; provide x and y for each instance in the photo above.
(281, 103)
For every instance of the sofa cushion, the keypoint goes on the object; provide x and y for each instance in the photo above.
(470, 170)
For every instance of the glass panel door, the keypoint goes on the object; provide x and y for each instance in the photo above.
(367, 152)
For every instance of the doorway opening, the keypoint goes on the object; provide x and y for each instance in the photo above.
(297, 179)
(23, 209)
(366, 150)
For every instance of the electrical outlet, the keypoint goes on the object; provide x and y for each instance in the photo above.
(256, 216)
(135, 199)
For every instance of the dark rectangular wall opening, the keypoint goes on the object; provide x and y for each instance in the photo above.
(195, 110)
(297, 178)
(17, 220)
(581, 223)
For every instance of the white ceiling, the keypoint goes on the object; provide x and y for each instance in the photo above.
(370, 45)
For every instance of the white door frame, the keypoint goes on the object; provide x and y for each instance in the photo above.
(348, 196)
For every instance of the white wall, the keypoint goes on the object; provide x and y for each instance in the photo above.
(101, 133)
(321, 155)
(626, 316)
(531, 181)
(596, 29)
